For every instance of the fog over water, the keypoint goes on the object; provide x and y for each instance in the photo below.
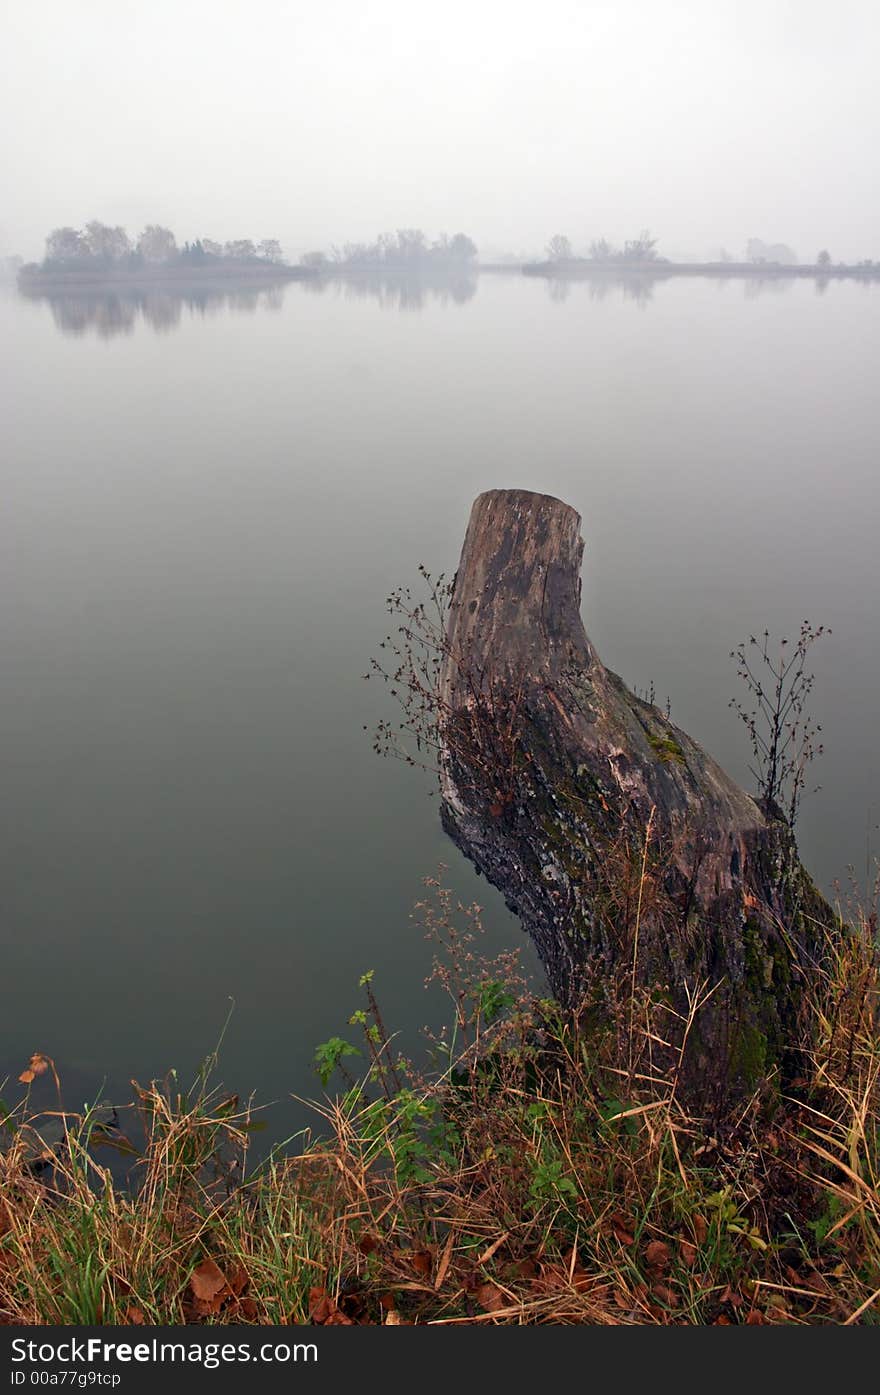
(205, 504)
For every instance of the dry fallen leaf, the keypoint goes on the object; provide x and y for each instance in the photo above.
(321, 1306)
(209, 1286)
(622, 1228)
(688, 1252)
(490, 1298)
(134, 1316)
(657, 1255)
(422, 1261)
(701, 1228)
(37, 1065)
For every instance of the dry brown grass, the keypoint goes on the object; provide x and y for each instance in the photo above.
(539, 1173)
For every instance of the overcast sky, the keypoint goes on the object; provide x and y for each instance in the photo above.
(329, 121)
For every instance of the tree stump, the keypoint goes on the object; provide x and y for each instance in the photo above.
(623, 847)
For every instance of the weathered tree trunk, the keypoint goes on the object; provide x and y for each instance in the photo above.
(622, 846)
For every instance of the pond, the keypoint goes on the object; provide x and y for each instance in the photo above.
(207, 498)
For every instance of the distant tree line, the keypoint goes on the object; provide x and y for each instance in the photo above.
(638, 249)
(408, 249)
(644, 249)
(100, 247)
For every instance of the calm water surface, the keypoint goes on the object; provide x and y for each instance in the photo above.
(205, 502)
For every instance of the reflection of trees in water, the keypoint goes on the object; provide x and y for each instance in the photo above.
(864, 280)
(109, 313)
(628, 284)
(756, 286)
(558, 291)
(249, 300)
(106, 315)
(398, 291)
(638, 289)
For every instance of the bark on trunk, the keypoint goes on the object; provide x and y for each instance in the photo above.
(616, 839)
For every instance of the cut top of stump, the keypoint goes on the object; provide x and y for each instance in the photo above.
(516, 601)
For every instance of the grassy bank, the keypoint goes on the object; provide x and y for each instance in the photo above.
(539, 1171)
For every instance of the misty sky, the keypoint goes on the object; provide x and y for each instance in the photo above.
(329, 121)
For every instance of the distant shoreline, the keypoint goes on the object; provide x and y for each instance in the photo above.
(170, 278)
(579, 269)
(32, 279)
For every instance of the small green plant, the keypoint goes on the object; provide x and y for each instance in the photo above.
(725, 1208)
(831, 1215)
(328, 1055)
(550, 1182)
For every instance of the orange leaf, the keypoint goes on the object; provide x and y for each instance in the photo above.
(701, 1229)
(321, 1306)
(208, 1282)
(490, 1298)
(422, 1261)
(37, 1065)
(135, 1316)
(756, 1319)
